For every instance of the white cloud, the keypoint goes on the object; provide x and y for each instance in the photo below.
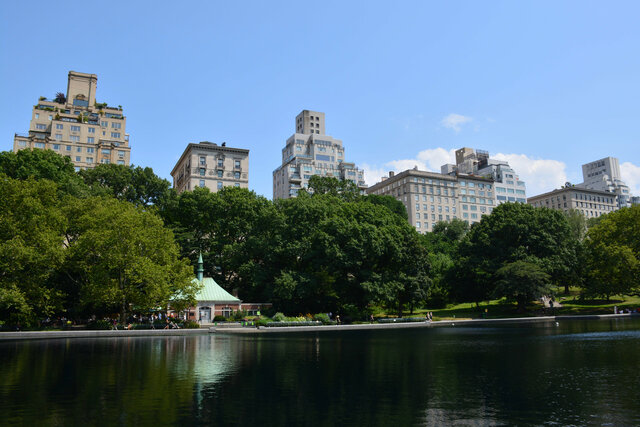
(540, 175)
(630, 174)
(455, 121)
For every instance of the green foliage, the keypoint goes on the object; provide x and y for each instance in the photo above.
(513, 232)
(613, 254)
(42, 164)
(134, 184)
(60, 98)
(31, 248)
(521, 281)
(394, 205)
(279, 317)
(190, 324)
(239, 315)
(219, 318)
(342, 188)
(121, 256)
(324, 318)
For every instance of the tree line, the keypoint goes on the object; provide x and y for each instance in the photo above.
(115, 239)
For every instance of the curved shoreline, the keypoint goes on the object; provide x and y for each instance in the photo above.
(35, 335)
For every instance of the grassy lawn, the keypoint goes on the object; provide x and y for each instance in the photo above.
(571, 305)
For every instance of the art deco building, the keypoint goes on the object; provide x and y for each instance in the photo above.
(604, 175)
(508, 186)
(310, 152)
(78, 127)
(210, 165)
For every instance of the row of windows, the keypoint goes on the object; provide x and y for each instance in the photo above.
(203, 162)
(219, 184)
(433, 209)
(203, 172)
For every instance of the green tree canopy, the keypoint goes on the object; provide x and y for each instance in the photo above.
(134, 184)
(521, 281)
(31, 248)
(42, 164)
(343, 188)
(123, 258)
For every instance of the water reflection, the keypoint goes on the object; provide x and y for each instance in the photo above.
(573, 373)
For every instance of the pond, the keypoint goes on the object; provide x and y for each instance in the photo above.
(574, 372)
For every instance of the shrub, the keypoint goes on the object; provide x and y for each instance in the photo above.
(219, 318)
(190, 324)
(324, 318)
(279, 317)
(239, 315)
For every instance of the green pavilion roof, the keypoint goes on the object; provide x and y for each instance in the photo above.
(211, 291)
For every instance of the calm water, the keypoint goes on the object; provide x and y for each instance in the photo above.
(577, 373)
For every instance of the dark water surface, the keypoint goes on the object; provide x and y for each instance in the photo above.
(576, 373)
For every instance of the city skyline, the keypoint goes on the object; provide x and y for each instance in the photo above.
(546, 87)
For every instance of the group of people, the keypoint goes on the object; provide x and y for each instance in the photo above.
(429, 316)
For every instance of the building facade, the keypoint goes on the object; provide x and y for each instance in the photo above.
(508, 186)
(604, 175)
(431, 197)
(310, 152)
(78, 127)
(592, 203)
(207, 164)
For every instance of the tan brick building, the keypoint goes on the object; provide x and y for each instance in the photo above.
(592, 203)
(78, 127)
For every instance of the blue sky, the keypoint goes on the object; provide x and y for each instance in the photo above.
(546, 85)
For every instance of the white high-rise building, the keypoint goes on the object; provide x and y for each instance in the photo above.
(310, 152)
(604, 175)
(508, 186)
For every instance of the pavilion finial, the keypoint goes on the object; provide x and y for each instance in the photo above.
(200, 268)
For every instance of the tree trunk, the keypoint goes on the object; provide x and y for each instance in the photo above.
(566, 289)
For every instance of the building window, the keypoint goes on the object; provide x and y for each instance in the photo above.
(90, 139)
(115, 134)
(91, 130)
(59, 126)
(237, 184)
(59, 136)
(39, 144)
(75, 128)
(202, 171)
(75, 138)
(41, 126)
(56, 146)
(104, 124)
(89, 159)
(78, 149)
(203, 160)
(106, 161)
(37, 115)
(202, 183)
(78, 158)
(237, 164)
(236, 175)
(219, 185)
(115, 125)
(68, 148)
(121, 162)
(90, 150)
(106, 151)
(220, 174)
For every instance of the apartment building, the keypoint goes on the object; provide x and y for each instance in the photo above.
(508, 186)
(207, 164)
(78, 127)
(604, 175)
(431, 197)
(309, 151)
(592, 203)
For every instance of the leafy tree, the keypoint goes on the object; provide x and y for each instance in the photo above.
(60, 98)
(31, 248)
(394, 205)
(513, 232)
(123, 258)
(42, 164)
(134, 184)
(343, 188)
(521, 281)
(613, 253)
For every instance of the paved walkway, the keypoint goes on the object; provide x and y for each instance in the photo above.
(27, 335)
